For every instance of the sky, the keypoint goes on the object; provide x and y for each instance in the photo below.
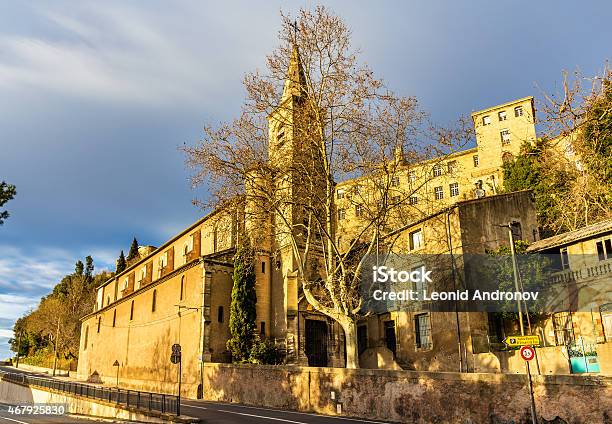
(96, 97)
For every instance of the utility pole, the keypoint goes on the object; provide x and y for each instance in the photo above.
(18, 349)
(515, 271)
(55, 347)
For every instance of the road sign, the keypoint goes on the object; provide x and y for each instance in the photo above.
(515, 341)
(116, 363)
(176, 348)
(527, 353)
(175, 358)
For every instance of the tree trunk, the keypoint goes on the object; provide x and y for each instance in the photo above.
(350, 336)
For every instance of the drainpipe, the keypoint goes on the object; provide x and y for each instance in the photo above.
(202, 324)
(454, 272)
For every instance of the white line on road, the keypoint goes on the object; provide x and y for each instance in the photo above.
(288, 412)
(15, 421)
(248, 415)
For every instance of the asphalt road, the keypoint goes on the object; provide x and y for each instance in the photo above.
(209, 412)
(231, 413)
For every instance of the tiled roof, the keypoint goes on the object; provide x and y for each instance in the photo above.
(572, 236)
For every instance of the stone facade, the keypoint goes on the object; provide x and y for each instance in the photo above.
(181, 291)
(409, 396)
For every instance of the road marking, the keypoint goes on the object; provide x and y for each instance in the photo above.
(247, 415)
(10, 419)
(289, 412)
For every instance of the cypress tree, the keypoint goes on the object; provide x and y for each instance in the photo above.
(78, 268)
(242, 310)
(133, 253)
(121, 263)
(89, 268)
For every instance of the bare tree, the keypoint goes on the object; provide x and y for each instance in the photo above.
(578, 132)
(316, 117)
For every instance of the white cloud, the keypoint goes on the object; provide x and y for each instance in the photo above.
(113, 53)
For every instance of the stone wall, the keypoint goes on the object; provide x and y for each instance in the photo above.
(409, 396)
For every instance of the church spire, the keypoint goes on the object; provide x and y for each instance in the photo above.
(295, 82)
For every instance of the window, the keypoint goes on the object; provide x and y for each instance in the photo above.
(476, 161)
(182, 287)
(564, 259)
(341, 214)
(390, 336)
(107, 300)
(340, 193)
(422, 330)
(99, 323)
(263, 267)
(126, 282)
(362, 338)
(280, 138)
(486, 120)
(114, 317)
(412, 177)
(604, 249)
(439, 192)
(505, 136)
(416, 239)
(395, 181)
(358, 210)
(86, 338)
(502, 115)
(414, 200)
(132, 311)
(220, 314)
(564, 328)
(437, 170)
(262, 328)
(454, 189)
(452, 166)
(420, 285)
(153, 303)
(518, 111)
(516, 230)
(143, 273)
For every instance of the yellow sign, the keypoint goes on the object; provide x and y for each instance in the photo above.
(515, 341)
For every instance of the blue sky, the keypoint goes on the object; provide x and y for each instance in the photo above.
(95, 97)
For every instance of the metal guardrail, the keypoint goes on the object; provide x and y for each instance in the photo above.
(145, 401)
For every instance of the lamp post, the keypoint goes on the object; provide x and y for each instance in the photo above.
(116, 364)
(534, 419)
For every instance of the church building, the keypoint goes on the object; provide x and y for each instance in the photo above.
(180, 292)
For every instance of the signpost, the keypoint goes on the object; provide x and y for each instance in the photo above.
(175, 358)
(527, 353)
(516, 341)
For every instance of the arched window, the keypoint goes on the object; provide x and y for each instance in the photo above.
(182, 287)
(99, 323)
(132, 311)
(220, 314)
(154, 301)
(114, 317)
(86, 337)
(107, 300)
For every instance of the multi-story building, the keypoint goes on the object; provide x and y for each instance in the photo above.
(181, 291)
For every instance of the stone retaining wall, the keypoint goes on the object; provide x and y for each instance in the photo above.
(415, 397)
